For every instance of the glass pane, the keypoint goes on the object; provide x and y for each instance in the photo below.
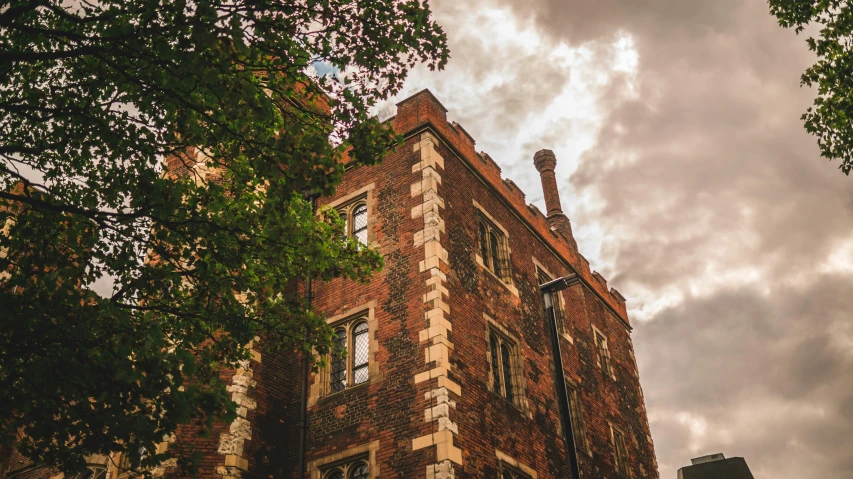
(484, 245)
(496, 262)
(359, 471)
(335, 474)
(361, 353)
(507, 366)
(360, 375)
(359, 223)
(343, 215)
(339, 364)
(496, 369)
(506, 475)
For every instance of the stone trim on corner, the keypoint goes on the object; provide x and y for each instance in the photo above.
(438, 347)
(231, 443)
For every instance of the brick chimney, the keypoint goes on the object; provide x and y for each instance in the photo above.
(545, 162)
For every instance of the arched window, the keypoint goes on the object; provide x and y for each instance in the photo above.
(496, 363)
(352, 367)
(353, 469)
(484, 246)
(493, 250)
(502, 352)
(495, 247)
(359, 471)
(506, 363)
(355, 216)
(335, 474)
(512, 473)
(359, 223)
(339, 364)
(360, 353)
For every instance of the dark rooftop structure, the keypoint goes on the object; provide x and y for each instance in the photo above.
(716, 466)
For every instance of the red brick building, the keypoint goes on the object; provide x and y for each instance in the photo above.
(450, 371)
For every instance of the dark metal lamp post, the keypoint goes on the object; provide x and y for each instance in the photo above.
(548, 289)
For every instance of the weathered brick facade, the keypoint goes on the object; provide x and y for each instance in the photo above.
(429, 408)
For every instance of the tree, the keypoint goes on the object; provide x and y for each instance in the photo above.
(831, 116)
(94, 97)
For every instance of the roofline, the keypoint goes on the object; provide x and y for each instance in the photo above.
(428, 125)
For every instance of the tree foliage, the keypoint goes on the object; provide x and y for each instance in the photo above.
(831, 116)
(94, 96)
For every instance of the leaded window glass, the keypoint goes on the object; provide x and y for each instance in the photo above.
(508, 472)
(495, 246)
(506, 364)
(359, 471)
(603, 354)
(494, 251)
(352, 367)
(484, 245)
(360, 353)
(359, 223)
(355, 216)
(621, 452)
(496, 368)
(339, 364)
(578, 423)
(504, 370)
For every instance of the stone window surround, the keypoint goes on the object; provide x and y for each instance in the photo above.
(596, 331)
(540, 266)
(364, 451)
(613, 430)
(511, 284)
(506, 459)
(321, 386)
(365, 193)
(520, 400)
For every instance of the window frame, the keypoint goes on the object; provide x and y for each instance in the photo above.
(346, 466)
(364, 453)
(604, 358)
(621, 458)
(347, 213)
(349, 326)
(508, 464)
(494, 243)
(488, 222)
(515, 372)
(321, 387)
(578, 423)
(346, 205)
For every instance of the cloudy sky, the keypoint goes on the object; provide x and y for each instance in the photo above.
(694, 189)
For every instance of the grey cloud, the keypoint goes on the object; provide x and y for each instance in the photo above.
(763, 368)
(702, 168)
